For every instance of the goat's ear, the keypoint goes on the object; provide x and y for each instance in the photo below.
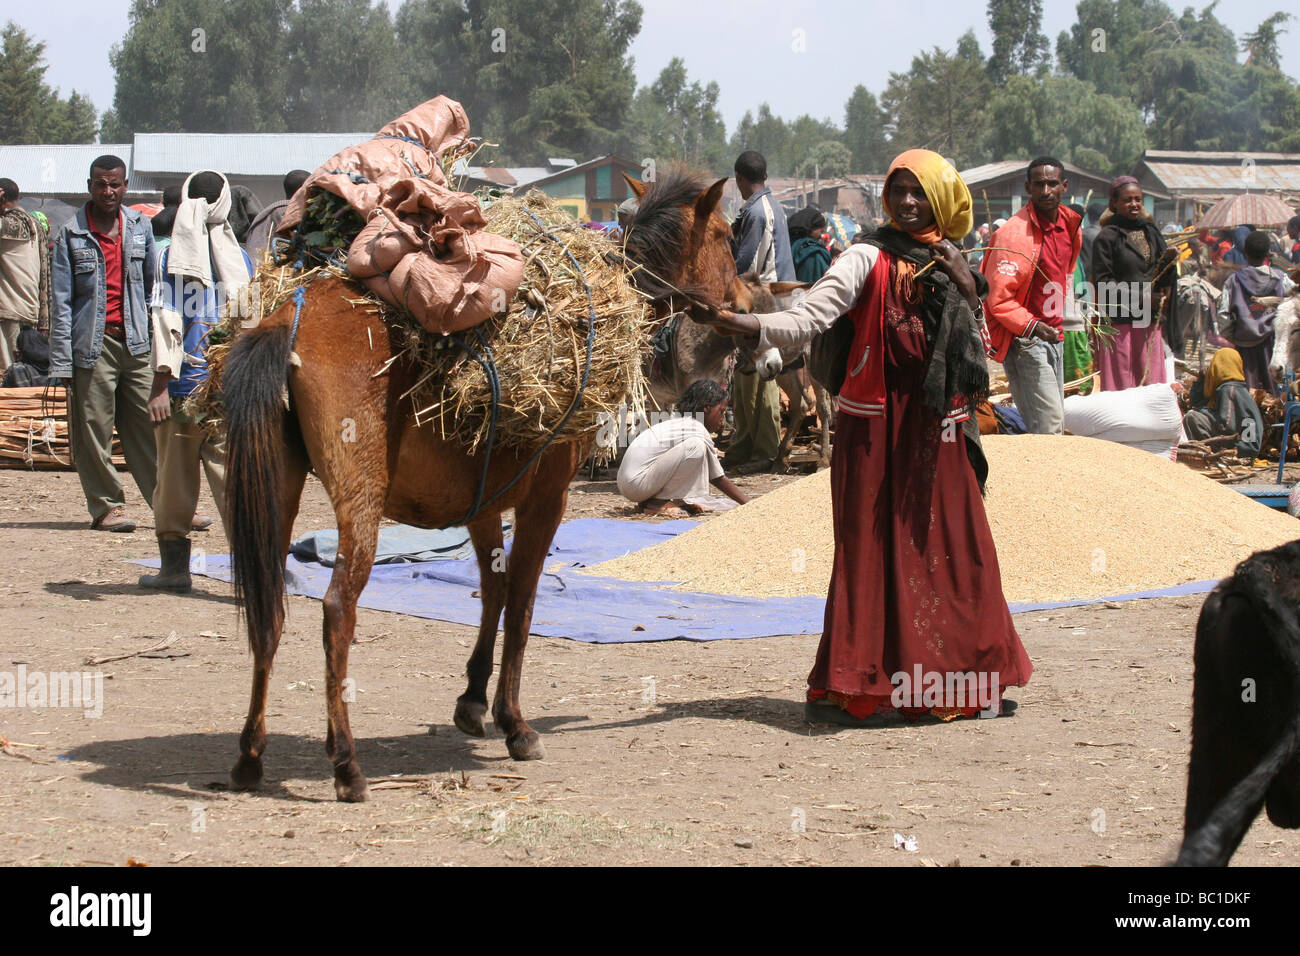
(636, 185)
(785, 288)
(708, 200)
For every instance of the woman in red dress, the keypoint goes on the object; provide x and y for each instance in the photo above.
(915, 617)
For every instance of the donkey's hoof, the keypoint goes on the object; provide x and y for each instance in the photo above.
(526, 746)
(350, 785)
(469, 717)
(246, 774)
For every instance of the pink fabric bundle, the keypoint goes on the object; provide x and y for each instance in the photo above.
(422, 249)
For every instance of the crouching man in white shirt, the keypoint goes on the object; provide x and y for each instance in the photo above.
(674, 461)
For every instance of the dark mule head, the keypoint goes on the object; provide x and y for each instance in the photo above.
(754, 296)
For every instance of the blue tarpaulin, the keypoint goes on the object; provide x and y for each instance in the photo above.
(598, 610)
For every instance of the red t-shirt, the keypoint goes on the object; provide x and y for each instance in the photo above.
(112, 249)
(1054, 263)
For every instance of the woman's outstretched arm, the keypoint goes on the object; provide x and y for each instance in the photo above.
(817, 309)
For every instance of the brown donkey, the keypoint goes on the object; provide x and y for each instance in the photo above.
(345, 421)
(678, 236)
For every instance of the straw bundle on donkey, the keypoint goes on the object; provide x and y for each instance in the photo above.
(350, 415)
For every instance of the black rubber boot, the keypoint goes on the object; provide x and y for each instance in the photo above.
(175, 572)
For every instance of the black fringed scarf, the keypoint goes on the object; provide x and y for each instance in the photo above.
(958, 365)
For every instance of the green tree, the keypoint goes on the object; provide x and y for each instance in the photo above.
(31, 112)
(864, 132)
(812, 140)
(1261, 46)
(1271, 104)
(828, 159)
(1067, 118)
(201, 66)
(435, 52)
(1019, 46)
(675, 119)
(1107, 46)
(343, 70)
(546, 78)
(69, 121)
(1192, 87)
(765, 133)
(786, 145)
(939, 104)
(1182, 72)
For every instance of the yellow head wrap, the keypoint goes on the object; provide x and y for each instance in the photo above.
(1224, 367)
(949, 201)
(949, 198)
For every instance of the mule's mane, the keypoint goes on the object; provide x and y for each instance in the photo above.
(658, 233)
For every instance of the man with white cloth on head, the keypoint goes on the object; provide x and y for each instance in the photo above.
(202, 270)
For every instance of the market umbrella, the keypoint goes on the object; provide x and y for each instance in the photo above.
(149, 209)
(842, 227)
(1248, 209)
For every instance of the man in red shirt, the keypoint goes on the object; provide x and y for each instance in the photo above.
(1030, 269)
(102, 278)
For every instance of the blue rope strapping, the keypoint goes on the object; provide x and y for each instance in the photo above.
(482, 356)
(407, 139)
(299, 297)
(479, 504)
(486, 360)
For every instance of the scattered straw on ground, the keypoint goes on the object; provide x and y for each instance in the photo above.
(1072, 518)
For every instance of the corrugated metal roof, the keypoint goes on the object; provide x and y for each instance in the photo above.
(501, 177)
(240, 154)
(521, 175)
(783, 186)
(1205, 156)
(982, 174)
(528, 174)
(144, 183)
(58, 170)
(1224, 179)
(565, 173)
(991, 171)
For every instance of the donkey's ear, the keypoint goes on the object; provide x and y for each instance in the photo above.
(708, 201)
(781, 289)
(636, 185)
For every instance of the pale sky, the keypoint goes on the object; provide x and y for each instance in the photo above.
(747, 46)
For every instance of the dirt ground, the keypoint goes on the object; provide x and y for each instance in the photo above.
(719, 768)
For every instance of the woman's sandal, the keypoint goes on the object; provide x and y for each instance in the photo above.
(816, 713)
(1007, 708)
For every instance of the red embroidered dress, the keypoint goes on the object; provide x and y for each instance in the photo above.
(915, 581)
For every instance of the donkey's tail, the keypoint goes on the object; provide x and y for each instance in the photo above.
(253, 394)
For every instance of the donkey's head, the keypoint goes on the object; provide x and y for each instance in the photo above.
(679, 238)
(759, 298)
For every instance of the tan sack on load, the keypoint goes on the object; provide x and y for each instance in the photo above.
(422, 249)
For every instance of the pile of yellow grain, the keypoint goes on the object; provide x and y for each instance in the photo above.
(1072, 518)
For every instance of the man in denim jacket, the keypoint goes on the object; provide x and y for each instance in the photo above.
(102, 278)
